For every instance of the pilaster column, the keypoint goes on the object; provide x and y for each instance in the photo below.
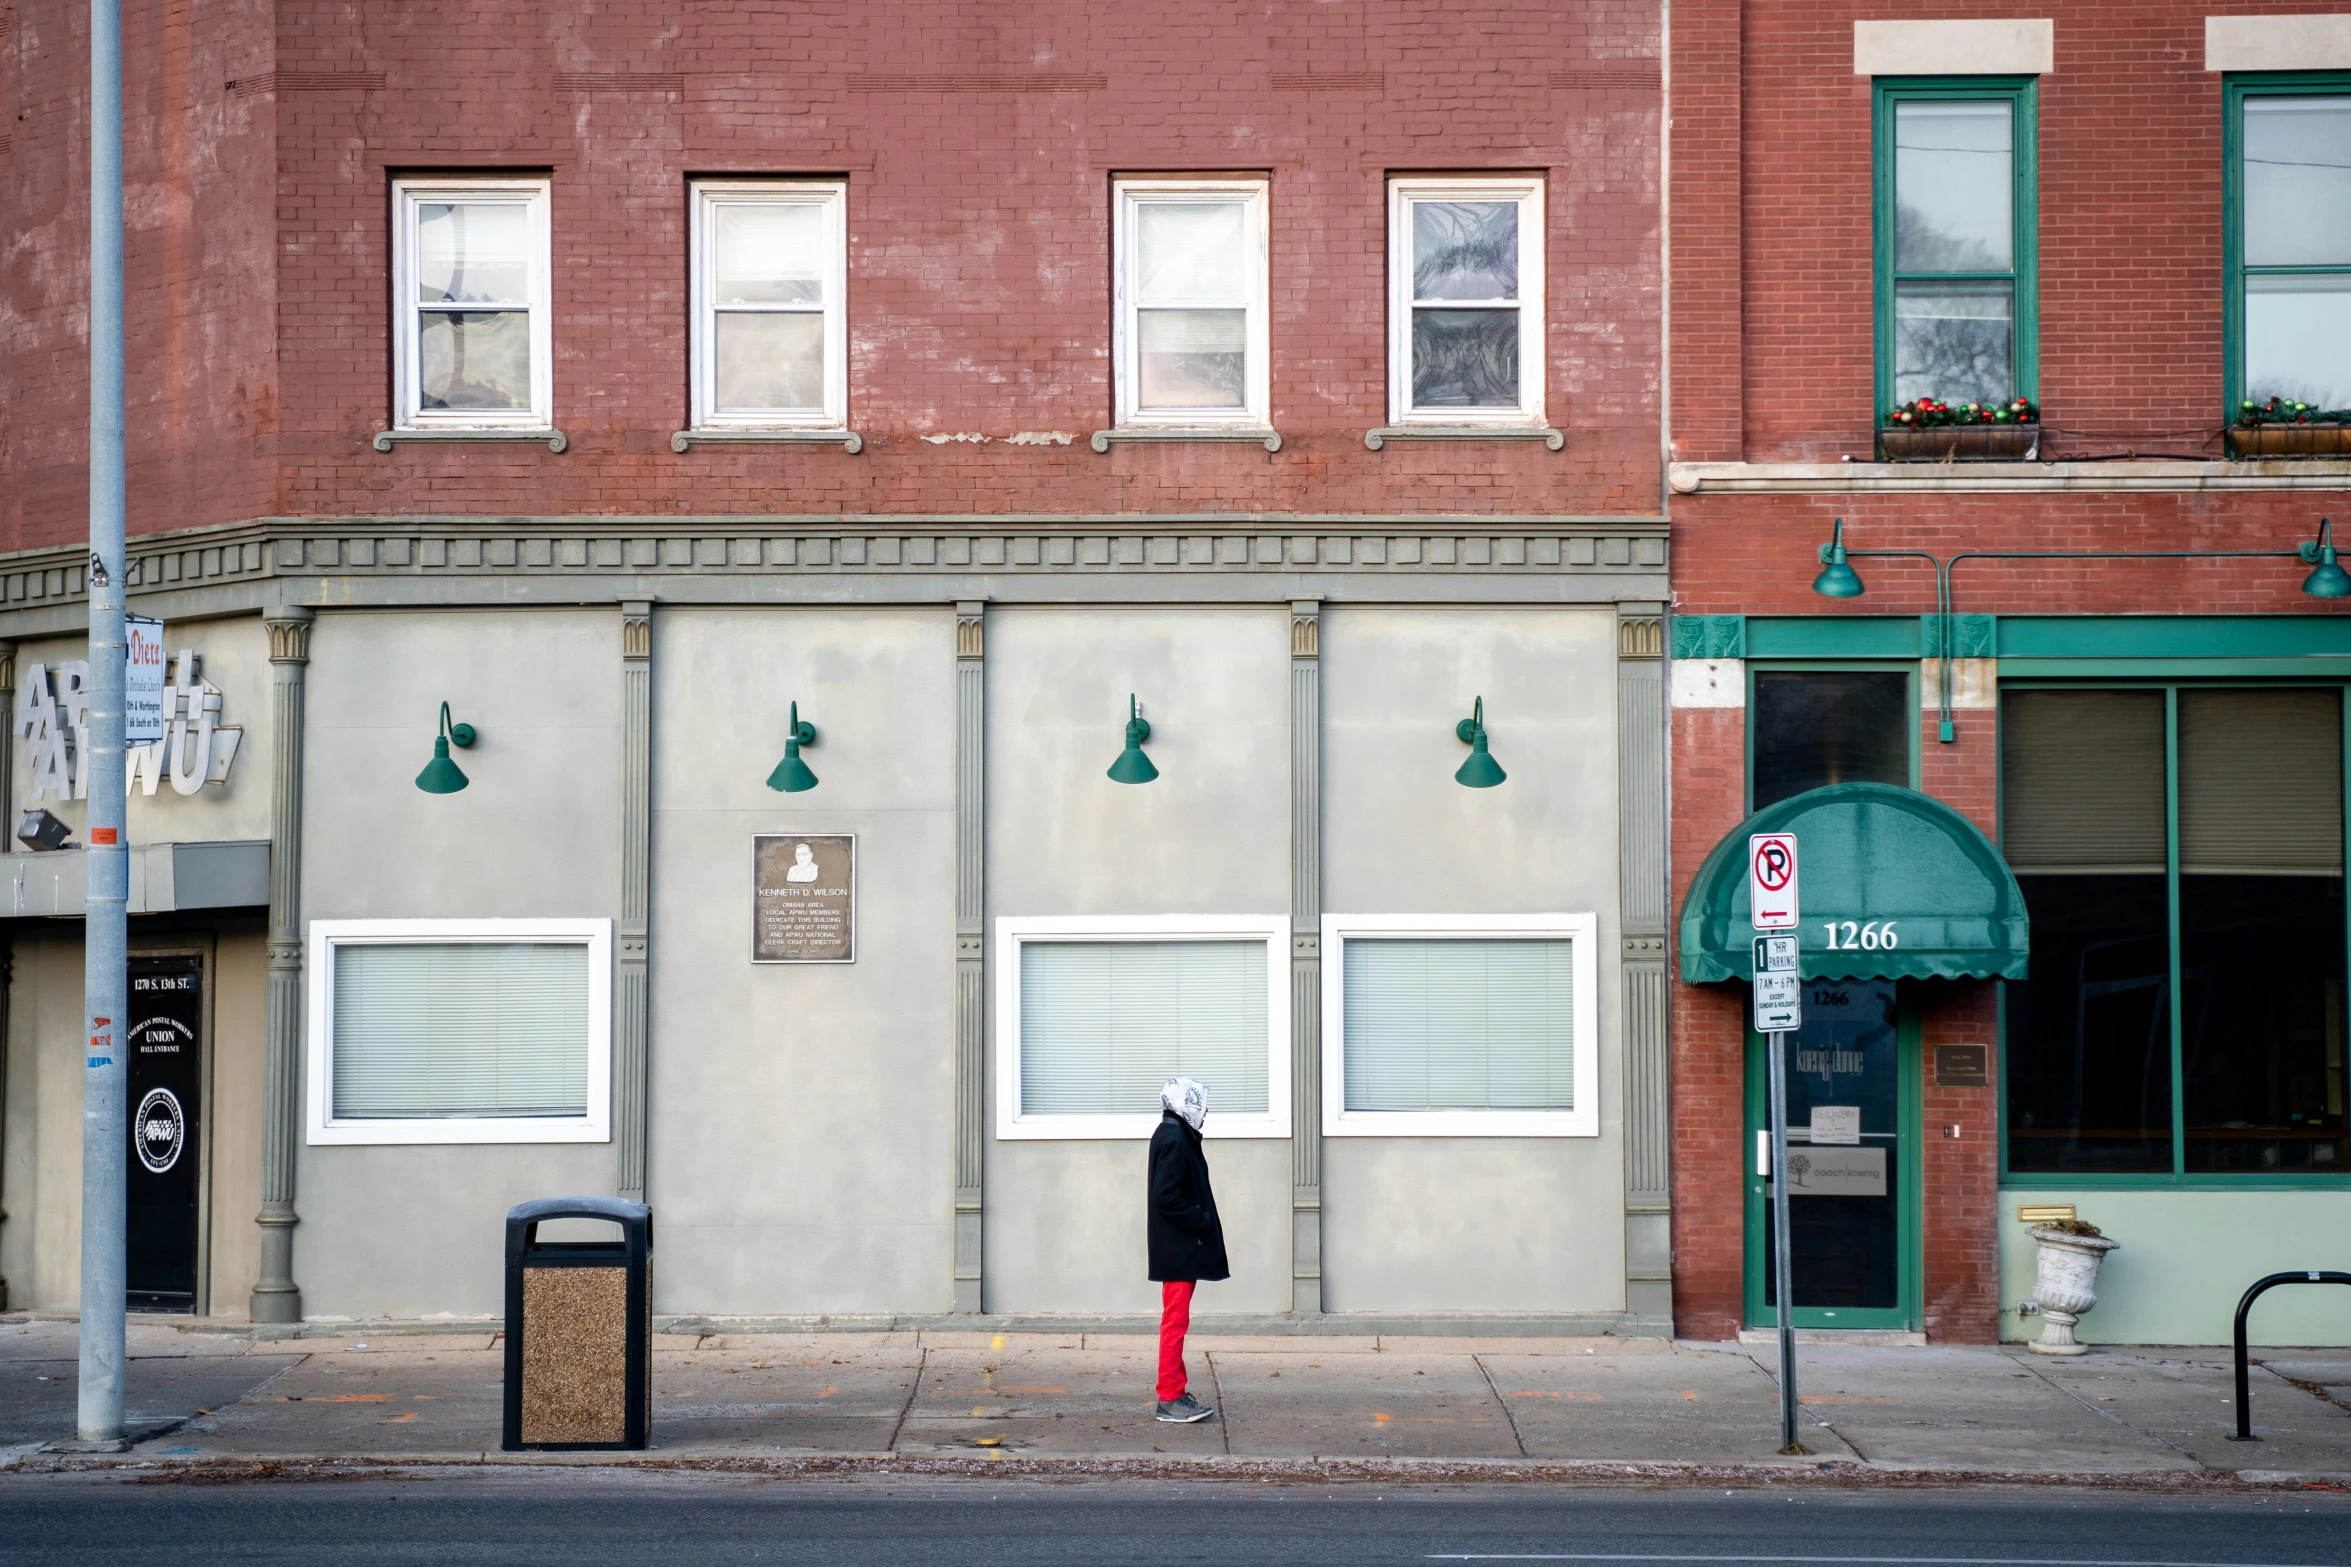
(632, 1018)
(971, 1127)
(276, 1298)
(1306, 956)
(1641, 905)
(7, 950)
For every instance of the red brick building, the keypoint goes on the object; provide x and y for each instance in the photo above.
(2126, 216)
(636, 384)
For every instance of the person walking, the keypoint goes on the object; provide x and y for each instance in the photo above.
(1187, 1239)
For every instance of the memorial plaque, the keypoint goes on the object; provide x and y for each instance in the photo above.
(804, 898)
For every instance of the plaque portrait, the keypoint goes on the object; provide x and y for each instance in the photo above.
(804, 898)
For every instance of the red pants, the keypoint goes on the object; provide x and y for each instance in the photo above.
(1175, 1319)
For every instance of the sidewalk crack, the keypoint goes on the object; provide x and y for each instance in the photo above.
(1480, 1362)
(2136, 1431)
(913, 1389)
(1224, 1413)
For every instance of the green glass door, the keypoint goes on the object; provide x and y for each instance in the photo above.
(1852, 1162)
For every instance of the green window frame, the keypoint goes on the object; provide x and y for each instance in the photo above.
(1907, 667)
(2236, 90)
(2021, 94)
(2179, 1179)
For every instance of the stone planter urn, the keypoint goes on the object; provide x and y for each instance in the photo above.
(2066, 1285)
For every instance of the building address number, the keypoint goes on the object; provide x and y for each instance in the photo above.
(1872, 936)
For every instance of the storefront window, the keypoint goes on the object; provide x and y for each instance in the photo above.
(2247, 1015)
(1815, 727)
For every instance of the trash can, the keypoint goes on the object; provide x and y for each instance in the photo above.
(579, 1328)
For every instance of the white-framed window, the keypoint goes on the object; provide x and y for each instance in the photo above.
(1465, 301)
(460, 1031)
(471, 334)
(1189, 322)
(1093, 1015)
(1437, 1025)
(771, 325)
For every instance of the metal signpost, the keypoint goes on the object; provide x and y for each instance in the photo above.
(106, 861)
(1779, 1011)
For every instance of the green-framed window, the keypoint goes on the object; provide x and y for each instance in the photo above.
(2287, 205)
(1816, 723)
(1957, 295)
(2180, 847)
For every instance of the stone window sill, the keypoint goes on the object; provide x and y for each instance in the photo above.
(1554, 440)
(556, 440)
(1271, 440)
(1844, 478)
(848, 440)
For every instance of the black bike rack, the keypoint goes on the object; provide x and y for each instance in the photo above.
(2244, 1309)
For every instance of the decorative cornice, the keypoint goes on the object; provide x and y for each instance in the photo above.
(243, 567)
(289, 636)
(1862, 478)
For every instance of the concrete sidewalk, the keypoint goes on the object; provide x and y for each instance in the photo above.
(1510, 1402)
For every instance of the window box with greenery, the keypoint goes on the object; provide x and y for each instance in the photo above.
(2288, 251)
(1924, 430)
(1957, 317)
(2279, 428)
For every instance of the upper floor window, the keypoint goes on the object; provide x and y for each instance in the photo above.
(2289, 175)
(770, 330)
(1190, 296)
(1465, 310)
(471, 336)
(1956, 315)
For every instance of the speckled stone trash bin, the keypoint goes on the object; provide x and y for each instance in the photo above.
(579, 1328)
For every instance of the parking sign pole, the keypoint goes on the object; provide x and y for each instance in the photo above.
(1781, 1270)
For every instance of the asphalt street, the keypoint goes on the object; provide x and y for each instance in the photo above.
(582, 1516)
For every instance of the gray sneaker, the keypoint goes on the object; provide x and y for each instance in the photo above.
(1183, 1411)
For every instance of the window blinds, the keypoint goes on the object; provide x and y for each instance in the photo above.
(2261, 783)
(460, 1030)
(1104, 1023)
(2082, 781)
(1459, 1024)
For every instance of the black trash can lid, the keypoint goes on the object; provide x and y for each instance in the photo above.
(541, 1209)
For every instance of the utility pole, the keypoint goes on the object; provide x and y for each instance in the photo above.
(106, 859)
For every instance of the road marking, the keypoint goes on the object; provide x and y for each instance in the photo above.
(1834, 1561)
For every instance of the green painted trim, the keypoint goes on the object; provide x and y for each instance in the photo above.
(2115, 671)
(1833, 636)
(1909, 1175)
(2022, 92)
(2043, 1181)
(2171, 895)
(2175, 636)
(2234, 91)
(1709, 636)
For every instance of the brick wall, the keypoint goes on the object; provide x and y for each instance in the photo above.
(979, 144)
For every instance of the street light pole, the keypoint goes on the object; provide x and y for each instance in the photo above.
(106, 862)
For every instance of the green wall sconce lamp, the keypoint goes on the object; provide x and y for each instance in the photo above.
(1132, 766)
(792, 774)
(2327, 580)
(441, 775)
(1837, 580)
(1479, 770)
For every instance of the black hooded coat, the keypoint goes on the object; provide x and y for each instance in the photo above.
(1187, 1238)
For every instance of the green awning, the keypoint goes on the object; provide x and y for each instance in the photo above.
(1869, 857)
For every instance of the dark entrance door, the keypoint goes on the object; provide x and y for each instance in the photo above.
(1852, 1105)
(166, 1104)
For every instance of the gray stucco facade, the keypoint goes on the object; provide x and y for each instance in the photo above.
(820, 1140)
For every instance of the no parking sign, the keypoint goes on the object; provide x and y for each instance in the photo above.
(1771, 880)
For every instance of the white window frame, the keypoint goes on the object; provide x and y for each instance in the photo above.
(407, 394)
(1527, 191)
(1126, 339)
(708, 197)
(326, 936)
(1012, 932)
(1339, 1121)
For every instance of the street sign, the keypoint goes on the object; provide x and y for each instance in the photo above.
(1779, 990)
(142, 689)
(1771, 880)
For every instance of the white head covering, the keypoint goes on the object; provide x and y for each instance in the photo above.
(1186, 1097)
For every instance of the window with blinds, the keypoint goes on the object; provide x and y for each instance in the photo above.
(2261, 783)
(1459, 1024)
(1104, 1023)
(460, 1030)
(2081, 782)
